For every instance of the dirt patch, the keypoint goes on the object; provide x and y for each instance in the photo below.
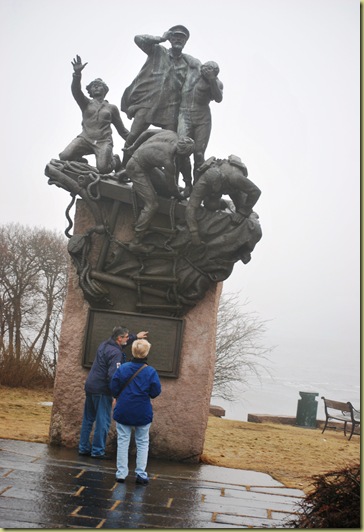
(291, 455)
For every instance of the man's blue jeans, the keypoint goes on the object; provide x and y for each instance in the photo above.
(97, 410)
(142, 446)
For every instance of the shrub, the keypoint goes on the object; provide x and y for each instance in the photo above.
(27, 372)
(333, 503)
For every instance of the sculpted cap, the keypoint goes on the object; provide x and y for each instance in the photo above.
(180, 29)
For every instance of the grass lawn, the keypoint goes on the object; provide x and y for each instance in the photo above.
(289, 454)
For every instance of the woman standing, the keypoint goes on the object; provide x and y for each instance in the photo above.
(134, 384)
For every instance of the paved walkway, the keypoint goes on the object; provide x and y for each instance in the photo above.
(48, 487)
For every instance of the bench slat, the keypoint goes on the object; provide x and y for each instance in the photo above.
(337, 405)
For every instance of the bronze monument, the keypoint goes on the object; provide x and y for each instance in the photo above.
(143, 248)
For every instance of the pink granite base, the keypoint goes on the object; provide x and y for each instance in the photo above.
(180, 412)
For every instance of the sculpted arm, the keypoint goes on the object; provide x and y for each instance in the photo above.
(139, 141)
(244, 195)
(238, 198)
(147, 42)
(216, 90)
(118, 123)
(170, 175)
(77, 93)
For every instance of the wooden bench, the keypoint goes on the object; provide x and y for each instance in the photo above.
(338, 411)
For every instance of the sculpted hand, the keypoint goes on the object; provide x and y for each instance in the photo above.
(237, 218)
(178, 196)
(195, 239)
(77, 65)
(208, 72)
(175, 193)
(128, 150)
(166, 35)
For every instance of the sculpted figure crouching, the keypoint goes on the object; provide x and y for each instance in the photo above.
(160, 150)
(219, 178)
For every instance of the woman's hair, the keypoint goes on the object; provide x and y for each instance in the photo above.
(140, 348)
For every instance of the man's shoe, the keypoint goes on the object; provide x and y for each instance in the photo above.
(86, 453)
(142, 481)
(121, 480)
(102, 456)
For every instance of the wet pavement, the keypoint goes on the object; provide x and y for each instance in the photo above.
(51, 487)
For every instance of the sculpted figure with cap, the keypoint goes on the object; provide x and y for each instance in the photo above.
(154, 97)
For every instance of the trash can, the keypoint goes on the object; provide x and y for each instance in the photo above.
(307, 410)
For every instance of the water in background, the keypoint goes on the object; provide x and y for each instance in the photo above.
(279, 395)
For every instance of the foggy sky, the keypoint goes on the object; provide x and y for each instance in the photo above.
(290, 70)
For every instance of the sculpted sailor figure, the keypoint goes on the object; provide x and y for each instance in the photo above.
(194, 119)
(154, 97)
(97, 116)
(159, 151)
(221, 177)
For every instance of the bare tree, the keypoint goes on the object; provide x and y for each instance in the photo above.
(240, 351)
(33, 275)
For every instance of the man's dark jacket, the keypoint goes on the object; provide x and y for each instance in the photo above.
(109, 353)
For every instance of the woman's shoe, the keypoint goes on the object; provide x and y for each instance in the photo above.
(142, 481)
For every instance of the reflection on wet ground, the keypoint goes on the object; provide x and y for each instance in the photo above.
(51, 487)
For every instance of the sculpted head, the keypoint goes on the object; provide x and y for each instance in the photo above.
(210, 66)
(178, 36)
(97, 87)
(185, 146)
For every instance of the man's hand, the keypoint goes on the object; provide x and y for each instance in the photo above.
(142, 334)
(77, 65)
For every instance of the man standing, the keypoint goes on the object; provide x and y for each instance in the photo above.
(154, 97)
(97, 116)
(98, 403)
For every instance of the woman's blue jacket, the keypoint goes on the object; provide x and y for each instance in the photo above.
(133, 406)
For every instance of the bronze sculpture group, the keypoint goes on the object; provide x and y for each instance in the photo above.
(211, 219)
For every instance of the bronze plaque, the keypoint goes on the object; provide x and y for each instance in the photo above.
(165, 335)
